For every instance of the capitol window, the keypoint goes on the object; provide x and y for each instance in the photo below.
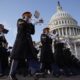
(67, 21)
(62, 22)
(59, 22)
(79, 31)
(56, 22)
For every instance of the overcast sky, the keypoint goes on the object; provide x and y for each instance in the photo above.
(11, 11)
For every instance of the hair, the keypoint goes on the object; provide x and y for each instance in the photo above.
(45, 29)
(28, 14)
(1, 26)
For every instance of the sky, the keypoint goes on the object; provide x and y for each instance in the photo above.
(11, 11)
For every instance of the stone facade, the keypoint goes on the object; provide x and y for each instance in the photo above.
(67, 28)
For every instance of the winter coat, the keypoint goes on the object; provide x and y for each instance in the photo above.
(23, 46)
(46, 49)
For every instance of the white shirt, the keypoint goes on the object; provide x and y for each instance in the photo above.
(1, 34)
(53, 36)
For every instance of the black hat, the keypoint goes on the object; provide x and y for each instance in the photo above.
(4, 30)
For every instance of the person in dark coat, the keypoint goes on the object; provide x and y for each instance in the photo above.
(46, 57)
(34, 64)
(23, 46)
(59, 54)
(72, 62)
(62, 58)
(3, 50)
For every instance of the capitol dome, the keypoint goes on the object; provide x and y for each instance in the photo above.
(62, 15)
(63, 23)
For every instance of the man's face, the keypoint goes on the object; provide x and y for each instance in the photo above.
(46, 31)
(1, 29)
(27, 19)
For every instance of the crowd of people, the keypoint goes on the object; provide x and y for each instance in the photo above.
(22, 57)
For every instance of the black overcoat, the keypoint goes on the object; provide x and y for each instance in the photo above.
(46, 49)
(59, 54)
(23, 46)
(3, 50)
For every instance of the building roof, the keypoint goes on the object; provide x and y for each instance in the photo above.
(61, 17)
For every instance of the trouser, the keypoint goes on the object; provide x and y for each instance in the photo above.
(34, 66)
(16, 64)
(67, 71)
(0, 67)
(55, 69)
(45, 67)
(13, 68)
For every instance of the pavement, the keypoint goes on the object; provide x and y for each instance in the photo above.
(46, 78)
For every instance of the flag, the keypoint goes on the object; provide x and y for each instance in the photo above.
(36, 14)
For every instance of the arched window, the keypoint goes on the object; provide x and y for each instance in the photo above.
(56, 22)
(68, 21)
(59, 22)
(65, 21)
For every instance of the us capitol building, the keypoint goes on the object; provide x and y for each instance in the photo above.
(67, 28)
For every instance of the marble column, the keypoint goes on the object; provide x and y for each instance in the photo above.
(59, 32)
(66, 31)
(69, 31)
(78, 31)
(62, 32)
(75, 48)
(74, 31)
